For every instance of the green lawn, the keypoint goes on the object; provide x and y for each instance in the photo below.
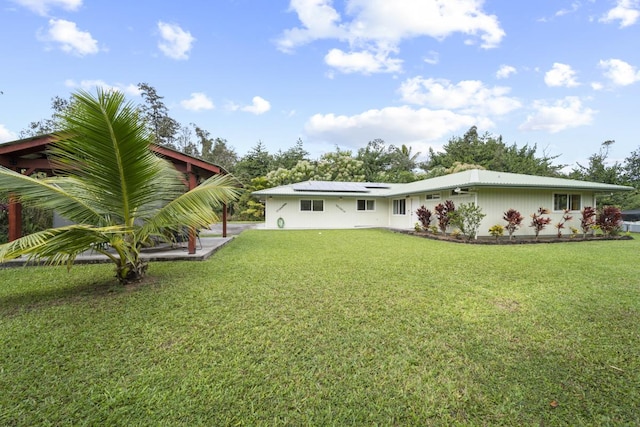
(357, 327)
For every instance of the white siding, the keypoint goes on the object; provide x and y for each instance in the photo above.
(338, 213)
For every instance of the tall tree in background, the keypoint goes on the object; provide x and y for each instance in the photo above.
(256, 163)
(50, 125)
(215, 150)
(289, 158)
(598, 168)
(163, 127)
(491, 153)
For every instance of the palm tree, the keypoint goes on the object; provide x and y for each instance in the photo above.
(115, 190)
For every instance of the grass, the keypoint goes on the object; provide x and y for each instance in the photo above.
(355, 327)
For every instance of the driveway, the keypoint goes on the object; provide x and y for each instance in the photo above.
(235, 228)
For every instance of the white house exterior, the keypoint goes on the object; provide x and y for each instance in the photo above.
(323, 205)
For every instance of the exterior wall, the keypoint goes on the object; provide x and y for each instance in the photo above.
(339, 212)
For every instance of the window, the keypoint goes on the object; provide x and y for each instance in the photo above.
(366, 205)
(573, 202)
(399, 207)
(307, 205)
(433, 196)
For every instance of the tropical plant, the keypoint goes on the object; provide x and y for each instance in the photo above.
(424, 217)
(588, 220)
(514, 219)
(443, 214)
(609, 220)
(565, 217)
(497, 231)
(117, 193)
(539, 222)
(467, 217)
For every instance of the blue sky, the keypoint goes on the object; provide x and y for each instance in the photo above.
(562, 74)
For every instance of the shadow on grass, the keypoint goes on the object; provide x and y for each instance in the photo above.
(35, 299)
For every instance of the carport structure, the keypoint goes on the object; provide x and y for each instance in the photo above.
(29, 155)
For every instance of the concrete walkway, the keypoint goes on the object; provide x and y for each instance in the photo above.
(205, 247)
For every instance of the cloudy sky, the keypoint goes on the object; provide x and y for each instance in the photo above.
(562, 74)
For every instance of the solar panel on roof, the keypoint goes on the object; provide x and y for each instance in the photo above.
(331, 186)
(376, 185)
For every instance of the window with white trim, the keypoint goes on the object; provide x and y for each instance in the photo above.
(399, 207)
(310, 205)
(433, 196)
(573, 202)
(365, 205)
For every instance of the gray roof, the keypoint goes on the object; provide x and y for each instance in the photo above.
(467, 179)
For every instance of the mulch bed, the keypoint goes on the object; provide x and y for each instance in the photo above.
(504, 240)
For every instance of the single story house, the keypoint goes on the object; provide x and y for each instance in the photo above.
(326, 205)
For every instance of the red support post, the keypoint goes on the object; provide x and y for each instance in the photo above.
(15, 219)
(224, 220)
(192, 232)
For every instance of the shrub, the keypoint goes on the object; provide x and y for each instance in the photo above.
(433, 229)
(574, 232)
(424, 216)
(443, 213)
(514, 219)
(467, 218)
(417, 227)
(609, 220)
(538, 222)
(588, 220)
(497, 231)
(565, 217)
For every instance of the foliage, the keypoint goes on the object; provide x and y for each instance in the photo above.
(443, 214)
(424, 217)
(609, 220)
(306, 329)
(339, 166)
(467, 217)
(291, 157)
(563, 220)
(163, 127)
(539, 222)
(256, 163)
(491, 153)
(215, 150)
(514, 220)
(249, 207)
(114, 190)
(587, 220)
(50, 125)
(497, 231)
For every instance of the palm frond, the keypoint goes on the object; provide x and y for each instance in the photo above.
(195, 208)
(64, 195)
(58, 245)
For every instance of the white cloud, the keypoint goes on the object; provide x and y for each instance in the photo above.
(505, 71)
(129, 89)
(433, 58)
(561, 75)
(398, 125)
(468, 96)
(70, 38)
(362, 62)
(41, 7)
(198, 101)
(175, 42)
(619, 72)
(562, 114)
(377, 27)
(626, 11)
(6, 134)
(259, 106)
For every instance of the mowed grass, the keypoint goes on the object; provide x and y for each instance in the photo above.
(355, 327)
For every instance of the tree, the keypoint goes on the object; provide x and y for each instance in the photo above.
(215, 150)
(47, 126)
(539, 222)
(114, 189)
(256, 163)
(162, 126)
(289, 158)
(491, 153)
(514, 219)
(339, 165)
(598, 170)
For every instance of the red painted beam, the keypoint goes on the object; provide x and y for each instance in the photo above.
(15, 219)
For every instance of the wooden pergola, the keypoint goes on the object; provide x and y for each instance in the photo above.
(29, 155)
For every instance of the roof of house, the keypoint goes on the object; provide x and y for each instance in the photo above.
(469, 179)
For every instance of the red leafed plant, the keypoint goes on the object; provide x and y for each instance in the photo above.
(539, 222)
(588, 220)
(609, 220)
(443, 212)
(424, 216)
(565, 217)
(514, 219)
